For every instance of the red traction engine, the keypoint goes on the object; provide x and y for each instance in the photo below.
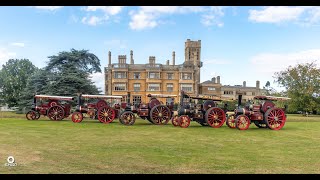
(154, 111)
(206, 113)
(96, 107)
(55, 107)
(263, 113)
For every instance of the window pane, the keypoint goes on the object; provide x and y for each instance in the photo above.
(136, 75)
(119, 75)
(136, 87)
(154, 87)
(120, 87)
(170, 87)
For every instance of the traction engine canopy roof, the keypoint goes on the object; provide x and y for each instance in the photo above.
(101, 96)
(273, 98)
(203, 97)
(66, 98)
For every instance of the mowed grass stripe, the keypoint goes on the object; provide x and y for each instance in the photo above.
(46, 146)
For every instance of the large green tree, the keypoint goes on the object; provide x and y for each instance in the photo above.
(302, 83)
(13, 79)
(69, 73)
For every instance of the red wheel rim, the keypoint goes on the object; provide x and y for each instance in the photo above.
(215, 117)
(31, 115)
(175, 120)
(127, 118)
(56, 113)
(77, 117)
(106, 114)
(184, 121)
(231, 123)
(160, 114)
(275, 118)
(242, 122)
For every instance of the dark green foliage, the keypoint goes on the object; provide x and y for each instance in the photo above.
(13, 79)
(302, 83)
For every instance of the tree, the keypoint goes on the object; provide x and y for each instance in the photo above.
(13, 77)
(70, 71)
(269, 90)
(302, 84)
(81, 59)
(36, 84)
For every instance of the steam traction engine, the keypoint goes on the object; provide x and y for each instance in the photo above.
(154, 111)
(263, 114)
(205, 113)
(96, 107)
(55, 107)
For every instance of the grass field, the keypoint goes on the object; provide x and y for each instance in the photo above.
(43, 147)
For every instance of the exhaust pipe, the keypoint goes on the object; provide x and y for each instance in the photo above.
(239, 100)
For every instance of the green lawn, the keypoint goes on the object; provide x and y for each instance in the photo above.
(44, 146)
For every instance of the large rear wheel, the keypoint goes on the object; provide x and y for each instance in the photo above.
(55, 113)
(106, 114)
(160, 114)
(215, 117)
(275, 118)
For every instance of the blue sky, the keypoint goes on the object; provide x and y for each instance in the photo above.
(238, 43)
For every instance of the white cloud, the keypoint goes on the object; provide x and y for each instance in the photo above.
(111, 10)
(149, 17)
(213, 17)
(50, 8)
(98, 79)
(269, 63)
(305, 15)
(142, 20)
(94, 20)
(5, 55)
(17, 44)
(107, 12)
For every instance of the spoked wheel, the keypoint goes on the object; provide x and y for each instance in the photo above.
(175, 120)
(242, 122)
(77, 117)
(32, 115)
(275, 118)
(184, 121)
(215, 117)
(127, 118)
(55, 113)
(106, 114)
(160, 114)
(231, 123)
(260, 124)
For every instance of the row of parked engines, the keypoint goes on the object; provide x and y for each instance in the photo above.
(205, 111)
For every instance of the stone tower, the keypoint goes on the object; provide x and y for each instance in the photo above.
(193, 56)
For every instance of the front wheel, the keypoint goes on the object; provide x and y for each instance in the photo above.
(32, 115)
(127, 118)
(77, 117)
